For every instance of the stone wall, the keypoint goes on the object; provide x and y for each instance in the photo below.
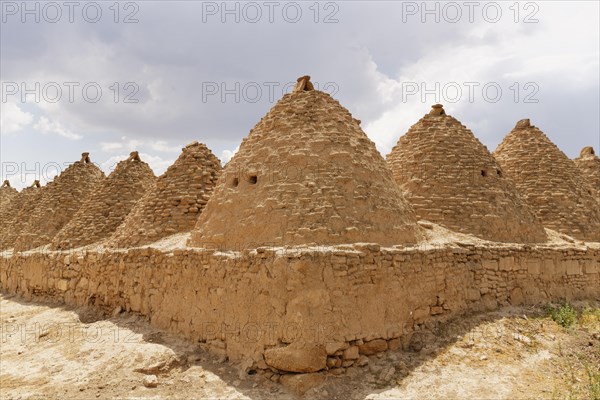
(331, 304)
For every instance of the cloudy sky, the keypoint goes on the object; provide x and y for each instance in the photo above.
(155, 75)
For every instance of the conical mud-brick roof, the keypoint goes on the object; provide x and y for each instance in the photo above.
(589, 166)
(7, 194)
(8, 200)
(549, 181)
(174, 203)
(450, 178)
(16, 216)
(108, 205)
(306, 173)
(60, 201)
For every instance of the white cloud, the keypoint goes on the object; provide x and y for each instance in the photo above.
(157, 163)
(29, 179)
(136, 145)
(47, 176)
(24, 178)
(45, 126)
(133, 144)
(125, 145)
(109, 165)
(368, 59)
(161, 145)
(110, 146)
(13, 119)
(488, 59)
(226, 155)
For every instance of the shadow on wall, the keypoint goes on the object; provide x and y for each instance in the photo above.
(375, 374)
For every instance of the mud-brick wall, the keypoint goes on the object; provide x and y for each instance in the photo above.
(362, 299)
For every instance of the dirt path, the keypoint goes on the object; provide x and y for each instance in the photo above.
(514, 353)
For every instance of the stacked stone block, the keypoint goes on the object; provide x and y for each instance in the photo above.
(15, 217)
(303, 309)
(450, 178)
(549, 182)
(589, 166)
(108, 205)
(60, 201)
(306, 173)
(173, 205)
(7, 194)
(8, 198)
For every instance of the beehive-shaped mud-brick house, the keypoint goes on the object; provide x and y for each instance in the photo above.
(15, 216)
(305, 174)
(589, 166)
(450, 178)
(7, 194)
(8, 200)
(172, 206)
(108, 205)
(549, 181)
(60, 201)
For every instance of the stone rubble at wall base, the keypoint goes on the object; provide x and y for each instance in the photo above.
(304, 310)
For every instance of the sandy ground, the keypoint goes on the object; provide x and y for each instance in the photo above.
(50, 351)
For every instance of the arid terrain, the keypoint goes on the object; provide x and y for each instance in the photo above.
(300, 200)
(51, 351)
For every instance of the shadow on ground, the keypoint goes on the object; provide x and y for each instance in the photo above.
(189, 370)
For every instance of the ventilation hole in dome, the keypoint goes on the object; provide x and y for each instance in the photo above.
(235, 182)
(483, 173)
(252, 372)
(499, 172)
(253, 179)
